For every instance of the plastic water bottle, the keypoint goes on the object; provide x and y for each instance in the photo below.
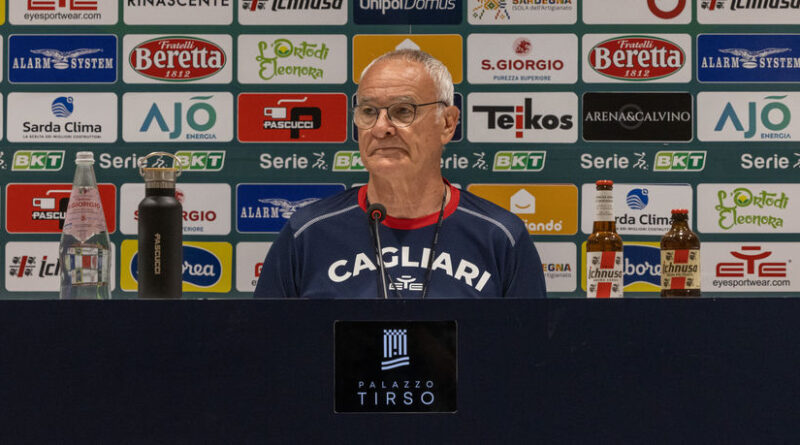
(83, 251)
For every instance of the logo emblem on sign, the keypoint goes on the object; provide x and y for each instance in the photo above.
(177, 58)
(636, 58)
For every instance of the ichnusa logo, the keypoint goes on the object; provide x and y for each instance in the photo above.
(38, 161)
(508, 117)
(207, 266)
(737, 116)
(289, 12)
(265, 208)
(641, 266)
(749, 12)
(71, 58)
(348, 161)
(637, 58)
(201, 161)
(680, 161)
(519, 161)
(761, 58)
(191, 58)
(178, 117)
(267, 117)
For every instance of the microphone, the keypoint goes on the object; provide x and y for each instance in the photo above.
(375, 214)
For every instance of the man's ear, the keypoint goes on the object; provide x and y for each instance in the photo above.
(450, 116)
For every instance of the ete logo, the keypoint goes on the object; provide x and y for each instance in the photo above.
(519, 161)
(292, 117)
(545, 209)
(201, 161)
(38, 161)
(445, 47)
(73, 5)
(749, 256)
(680, 161)
(348, 161)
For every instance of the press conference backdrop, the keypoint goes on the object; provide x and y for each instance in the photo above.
(682, 103)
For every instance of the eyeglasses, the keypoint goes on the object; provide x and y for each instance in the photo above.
(400, 114)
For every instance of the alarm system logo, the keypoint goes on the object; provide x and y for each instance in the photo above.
(169, 59)
(265, 208)
(761, 58)
(71, 58)
(277, 117)
(62, 12)
(445, 47)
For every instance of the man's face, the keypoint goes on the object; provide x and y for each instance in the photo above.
(388, 150)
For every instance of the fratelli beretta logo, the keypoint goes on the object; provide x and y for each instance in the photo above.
(318, 58)
(68, 58)
(188, 58)
(748, 58)
(408, 366)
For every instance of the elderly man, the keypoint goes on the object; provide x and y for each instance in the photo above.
(436, 240)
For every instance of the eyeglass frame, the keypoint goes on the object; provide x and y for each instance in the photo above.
(389, 117)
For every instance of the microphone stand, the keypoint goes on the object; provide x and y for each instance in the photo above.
(376, 213)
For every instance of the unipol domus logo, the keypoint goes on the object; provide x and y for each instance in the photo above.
(190, 58)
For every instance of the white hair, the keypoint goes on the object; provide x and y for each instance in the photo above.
(442, 81)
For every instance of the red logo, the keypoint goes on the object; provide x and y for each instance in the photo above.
(666, 15)
(636, 58)
(522, 46)
(41, 208)
(751, 265)
(177, 58)
(51, 5)
(292, 117)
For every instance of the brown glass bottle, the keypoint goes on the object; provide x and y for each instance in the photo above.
(680, 258)
(604, 262)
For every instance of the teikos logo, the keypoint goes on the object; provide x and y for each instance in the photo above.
(740, 116)
(41, 208)
(637, 58)
(642, 266)
(161, 12)
(201, 161)
(206, 208)
(559, 266)
(639, 209)
(277, 117)
(289, 12)
(748, 58)
(550, 209)
(391, 12)
(207, 266)
(749, 12)
(522, 12)
(655, 12)
(189, 58)
(249, 261)
(512, 117)
(62, 12)
(62, 117)
(748, 208)
(637, 117)
(408, 366)
(265, 208)
(177, 117)
(522, 58)
(291, 58)
(519, 161)
(680, 161)
(445, 47)
(38, 161)
(749, 267)
(71, 58)
(34, 266)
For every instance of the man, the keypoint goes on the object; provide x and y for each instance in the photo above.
(437, 241)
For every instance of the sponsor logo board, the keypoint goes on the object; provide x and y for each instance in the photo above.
(62, 12)
(639, 209)
(206, 208)
(445, 47)
(62, 117)
(559, 264)
(249, 261)
(748, 12)
(522, 118)
(761, 58)
(519, 161)
(348, 161)
(547, 209)
(292, 58)
(637, 117)
(749, 267)
(522, 58)
(41, 208)
(650, 12)
(747, 116)
(522, 12)
(641, 266)
(148, 12)
(443, 12)
(748, 208)
(282, 12)
(265, 208)
(38, 160)
(35, 267)
(201, 160)
(153, 58)
(656, 58)
(177, 117)
(71, 58)
(301, 117)
(680, 161)
(207, 266)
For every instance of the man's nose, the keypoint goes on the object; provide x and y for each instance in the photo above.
(383, 126)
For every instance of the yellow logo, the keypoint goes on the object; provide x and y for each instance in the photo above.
(207, 266)
(641, 264)
(2, 12)
(549, 209)
(445, 47)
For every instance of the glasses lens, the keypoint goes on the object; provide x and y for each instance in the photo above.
(402, 114)
(365, 116)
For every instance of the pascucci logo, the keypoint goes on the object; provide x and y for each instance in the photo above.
(636, 58)
(177, 58)
(766, 115)
(38, 161)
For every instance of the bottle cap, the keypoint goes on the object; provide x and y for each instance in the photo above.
(604, 182)
(680, 211)
(84, 157)
(160, 177)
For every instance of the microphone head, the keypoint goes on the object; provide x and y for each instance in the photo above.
(376, 212)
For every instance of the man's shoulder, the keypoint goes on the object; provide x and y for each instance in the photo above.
(491, 213)
(323, 209)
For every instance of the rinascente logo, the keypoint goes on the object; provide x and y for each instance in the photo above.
(522, 58)
(749, 267)
(62, 117)
(522, 12)
(177, 117)
(625, 58)
(639, 209)
(71, 58)
(63, 12)
(41, 208)
(291, 12)
(265, 208)
(655, 12)
(178, 12)
(747, 116)
(373, 12)
(522, 118)
(181, 58)
(249, 262)
(292, 58)
(277, 117)
(748, 12)
(640, 117)
(748, 208)
(206, 208)
(761, 58)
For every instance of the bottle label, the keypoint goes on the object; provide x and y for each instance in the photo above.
(85, 265)
(680, 269)
(604, 274)
(604, 205)
(84, 214)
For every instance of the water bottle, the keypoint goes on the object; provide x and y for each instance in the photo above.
(83, 250)
(160, 259)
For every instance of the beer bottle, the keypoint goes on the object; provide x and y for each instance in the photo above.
(604, 265)
(680, 258)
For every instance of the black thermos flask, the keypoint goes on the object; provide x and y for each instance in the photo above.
(160, 263)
